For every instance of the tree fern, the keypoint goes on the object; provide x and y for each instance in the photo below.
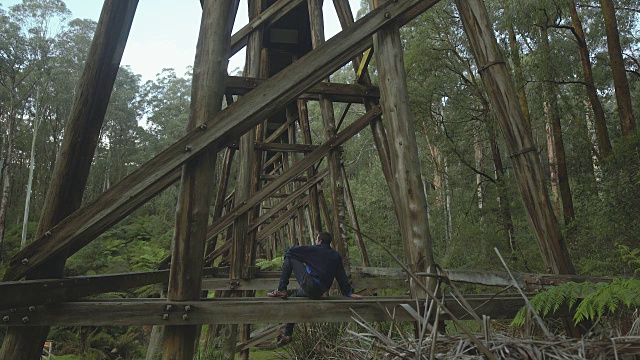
(597, 299)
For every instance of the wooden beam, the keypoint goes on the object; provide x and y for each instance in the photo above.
(137, 312)
(274, 13)
(272, 283)
(349, 93)
(283, 203)
(87, 223)
(281, 220)
(280, 147)
(194, 200)
(364, 64)
(36, 292)
(410, 201)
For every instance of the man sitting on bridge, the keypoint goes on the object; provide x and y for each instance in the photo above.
(314, 267)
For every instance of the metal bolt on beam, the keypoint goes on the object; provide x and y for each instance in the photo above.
(185, 317)
(165, 316)
(168, 307)
(25, 261)
(32, 308)
(25, 319)
(187, 308)
(6, 318)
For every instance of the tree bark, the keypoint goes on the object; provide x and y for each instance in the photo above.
(620, 81)
(558, 142)
(6, 174)
(526, 163)
(600, 122)
(517, 69)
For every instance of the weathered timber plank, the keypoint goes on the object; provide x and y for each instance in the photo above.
(239, 311)
(378, 271)
(36, 292)
(87, 223)
(410, 200)
(350, 93)
(272, 283)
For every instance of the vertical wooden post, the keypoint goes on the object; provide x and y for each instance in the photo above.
(518, 139)
(192, 213)
(335, 156)
(314, 206)
(345, 16)
(351, 210)
(243, 246)
(411, 203)
(76, 152)
(291, 132)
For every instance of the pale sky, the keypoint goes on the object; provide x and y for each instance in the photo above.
(164, 32)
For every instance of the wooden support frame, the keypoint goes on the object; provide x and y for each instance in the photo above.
(85, 225)
(295, 170)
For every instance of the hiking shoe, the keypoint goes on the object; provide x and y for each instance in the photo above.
(283, 340)
(278, 293)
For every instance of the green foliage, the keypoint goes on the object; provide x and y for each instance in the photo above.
(270, 265)
(594, 299)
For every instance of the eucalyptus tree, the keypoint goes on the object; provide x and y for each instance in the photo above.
(29, 31)
(460, 135)
(623, 95)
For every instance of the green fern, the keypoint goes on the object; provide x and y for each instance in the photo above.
(597, 299)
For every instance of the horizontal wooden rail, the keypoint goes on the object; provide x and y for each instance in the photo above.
(336, 92)
(135, 312)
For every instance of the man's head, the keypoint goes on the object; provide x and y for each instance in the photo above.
(324, 238)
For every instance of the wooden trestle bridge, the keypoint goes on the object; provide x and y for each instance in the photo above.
(278, 183)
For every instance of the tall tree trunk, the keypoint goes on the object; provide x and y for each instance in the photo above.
(517, 69)
(6, 175)
(551, 158)
(620, 82)
(479, 159)
(604, 144)
(504, 203)
(558, 143)
(32, 165)
(595, 161)
(518, 139)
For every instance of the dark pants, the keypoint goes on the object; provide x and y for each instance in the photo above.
(308, 287)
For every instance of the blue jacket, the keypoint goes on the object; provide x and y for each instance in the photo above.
(324, 264)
